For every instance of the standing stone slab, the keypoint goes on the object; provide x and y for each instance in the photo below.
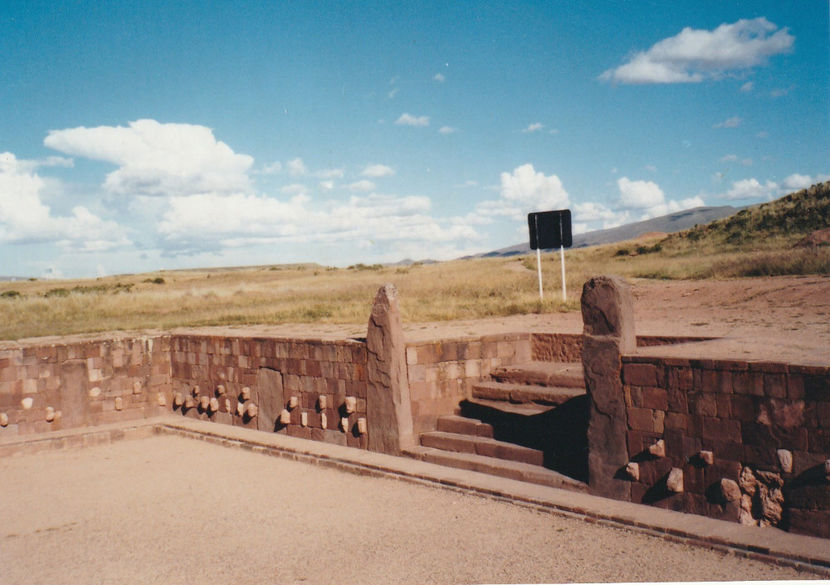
(608, 317)
(389, 413)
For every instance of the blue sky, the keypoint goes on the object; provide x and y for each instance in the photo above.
(146, 135)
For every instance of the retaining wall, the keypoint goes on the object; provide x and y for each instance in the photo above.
(750, 439)
(81, 383)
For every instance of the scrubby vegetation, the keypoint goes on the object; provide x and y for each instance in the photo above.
(758, 241)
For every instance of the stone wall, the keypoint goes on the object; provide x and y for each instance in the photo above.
(312, 389)
(70, 384)
(740, 440)
(441, 372)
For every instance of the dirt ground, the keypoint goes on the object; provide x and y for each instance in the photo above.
(780, 318)
(175, 510)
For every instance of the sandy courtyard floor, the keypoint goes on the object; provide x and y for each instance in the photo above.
(173, 510)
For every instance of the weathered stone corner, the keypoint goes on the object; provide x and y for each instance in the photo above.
(608, 318)
(389, 413)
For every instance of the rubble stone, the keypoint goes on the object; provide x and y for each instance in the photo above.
(674, 482)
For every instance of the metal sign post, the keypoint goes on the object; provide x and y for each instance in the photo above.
(550, 229)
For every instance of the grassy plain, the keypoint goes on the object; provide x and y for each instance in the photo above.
(757, 242)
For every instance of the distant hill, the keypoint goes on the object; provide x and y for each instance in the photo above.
(674, 222)
(790, 217)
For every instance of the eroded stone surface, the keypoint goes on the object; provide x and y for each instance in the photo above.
(608, 319)
(389, 414)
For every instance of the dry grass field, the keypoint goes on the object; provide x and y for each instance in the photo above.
(758, 242)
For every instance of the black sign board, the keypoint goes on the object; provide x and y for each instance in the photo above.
(550, 229)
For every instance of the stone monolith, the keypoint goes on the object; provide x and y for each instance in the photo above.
(388, 410)
(608, 318)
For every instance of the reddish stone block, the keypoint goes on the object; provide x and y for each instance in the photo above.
(743, 407)
(812, 522)
(703, 404)
(641, 419)
(818, 441)
(721, 429)
(635, 442)
(724, 405)
(634, 395)
(795, 386)
(817, 388)
(678, 401)
(775, 385)
(641, 374)
(655, 398)
(675, 421)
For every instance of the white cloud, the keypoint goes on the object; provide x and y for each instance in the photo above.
(747, 87)
(327, 185)
(294, 189)
(648, 197)
(534, 127)
(447, 130)
(752, 189)
(362, 185)
(639, 194)
(157, 159)
(24, 218)
(392, 93)
(732, 122)
(593, 212)
(330, 174)
(531, 190)
(796, 182)
(211, 221)
(694, 55)
(439, 78)
(296, 167)
(728, 158)
(409, 120)
(377, 170)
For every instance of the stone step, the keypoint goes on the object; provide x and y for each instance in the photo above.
(562, 374)
(525, 393)
(452, 423)
(481, 446)
(498, 467)
(522, 409)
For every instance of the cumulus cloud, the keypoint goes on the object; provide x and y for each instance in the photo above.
(158, 159)
(694, 55)
(296, 167)
(377, 170)
(521, 191)
(447, 130)
(362, 185)
(24, 218)
(648, 198)
(639, 194)
(410, 120)
(534, 127)
(754, 190)
(211, 221)
(439, 78)
(330, 174)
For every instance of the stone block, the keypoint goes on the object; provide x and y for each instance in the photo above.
(658, 449)
(721, 429)
(655, 398)
(641, 374)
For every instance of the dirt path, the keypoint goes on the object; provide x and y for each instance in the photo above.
(174, 510)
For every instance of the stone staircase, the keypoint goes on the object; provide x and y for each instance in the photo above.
(527, 422)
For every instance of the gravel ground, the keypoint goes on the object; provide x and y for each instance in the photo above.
(173, 510)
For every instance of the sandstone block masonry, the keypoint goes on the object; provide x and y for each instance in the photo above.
(739, 440)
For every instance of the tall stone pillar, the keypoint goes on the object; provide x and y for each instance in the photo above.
(388, 409)
(608, 317)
